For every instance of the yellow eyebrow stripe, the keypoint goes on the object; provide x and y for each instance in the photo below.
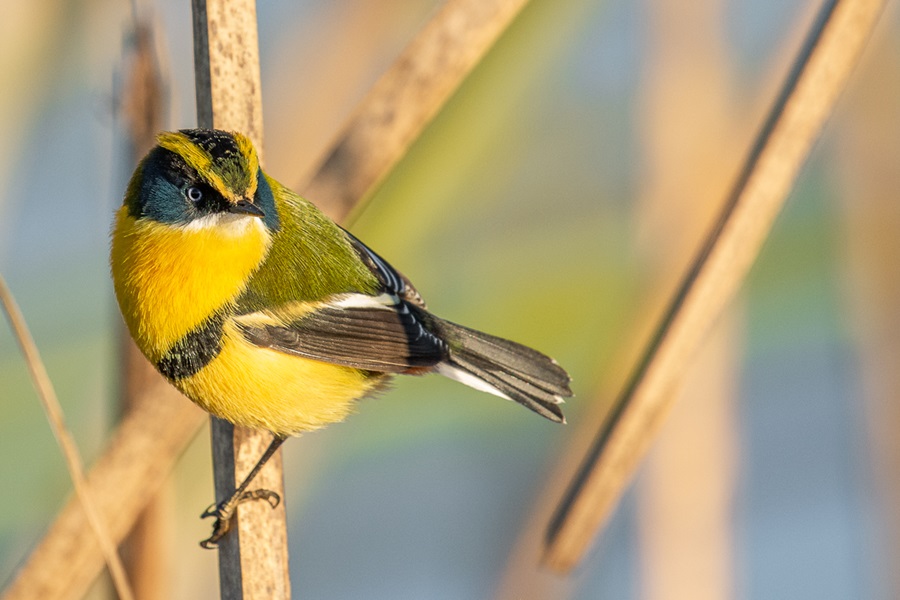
(202, 161)
(245, 146)
(195, 157)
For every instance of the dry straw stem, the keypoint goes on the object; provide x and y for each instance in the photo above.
(405, 99)
(150, 438)
(140, 455)
(54, 411)
(784, 143)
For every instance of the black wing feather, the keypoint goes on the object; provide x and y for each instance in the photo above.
(388, 338)
(392, 280)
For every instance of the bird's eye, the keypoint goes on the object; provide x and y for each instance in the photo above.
(194, 194)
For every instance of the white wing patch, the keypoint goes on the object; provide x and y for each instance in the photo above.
(381, 302)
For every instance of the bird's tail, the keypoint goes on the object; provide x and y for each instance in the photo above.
(504, 368)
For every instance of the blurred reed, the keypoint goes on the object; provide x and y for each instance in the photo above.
(783, 144)
(54, 412)
(868, 147)
(141, 106)
(691, 144)
(690, 149)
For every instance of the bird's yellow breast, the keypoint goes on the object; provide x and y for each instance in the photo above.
(267, 389)
(169, 279)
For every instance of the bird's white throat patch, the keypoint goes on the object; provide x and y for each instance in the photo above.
(226, 223)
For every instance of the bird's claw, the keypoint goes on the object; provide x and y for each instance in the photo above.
(220, 528)
(268, 495)
(224, 513)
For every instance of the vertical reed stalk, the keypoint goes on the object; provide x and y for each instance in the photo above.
(253, 557)
(141, 106)
(868, 147)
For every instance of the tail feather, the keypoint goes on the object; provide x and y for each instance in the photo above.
(505, 368)
(524, 383)
(502, 387)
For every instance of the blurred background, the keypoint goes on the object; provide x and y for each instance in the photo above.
(556, 200)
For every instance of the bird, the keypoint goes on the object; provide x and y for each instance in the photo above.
(266, 313)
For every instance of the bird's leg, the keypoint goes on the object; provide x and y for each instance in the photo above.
(224, 511)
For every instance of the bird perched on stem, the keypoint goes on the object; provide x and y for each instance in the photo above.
(267, 314)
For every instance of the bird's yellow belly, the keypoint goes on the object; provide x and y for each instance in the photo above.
(265, 389)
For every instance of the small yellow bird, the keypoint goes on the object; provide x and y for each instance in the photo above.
(267, 314)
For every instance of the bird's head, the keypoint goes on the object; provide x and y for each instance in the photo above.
(202, 178)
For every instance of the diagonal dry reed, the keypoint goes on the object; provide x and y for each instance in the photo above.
(806, 100)
(54, 412)
(405, 99)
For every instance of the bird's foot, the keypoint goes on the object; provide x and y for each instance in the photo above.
(224, 513)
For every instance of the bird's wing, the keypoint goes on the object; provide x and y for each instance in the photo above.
(384, 332)
(375, 333)
(392, 281)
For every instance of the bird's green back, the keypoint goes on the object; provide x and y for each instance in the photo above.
(309, 260)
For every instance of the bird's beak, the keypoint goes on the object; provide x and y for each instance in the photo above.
(245, 207)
